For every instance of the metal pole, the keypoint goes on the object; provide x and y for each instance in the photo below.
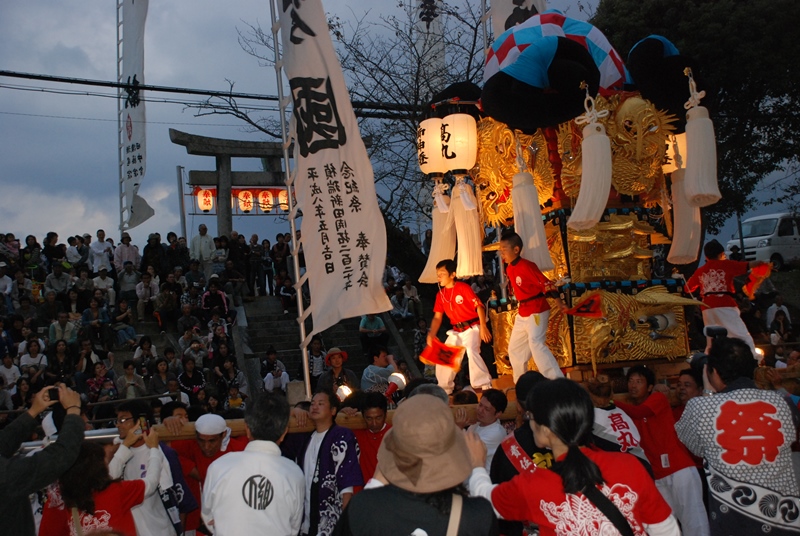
(283, 104)
(741, 238)
(181, 201)
(119, 120)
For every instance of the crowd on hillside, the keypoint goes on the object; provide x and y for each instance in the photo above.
(68, 307)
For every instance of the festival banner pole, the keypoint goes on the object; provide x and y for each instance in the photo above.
(332, 180)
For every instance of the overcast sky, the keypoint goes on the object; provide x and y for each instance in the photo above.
(58, 156)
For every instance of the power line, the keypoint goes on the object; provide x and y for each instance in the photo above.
(404, 109)
(239, 125)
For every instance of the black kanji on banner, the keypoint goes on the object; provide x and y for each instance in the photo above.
(318, 123)
(132, 91)
(520, 14)
(297, 22)
(427, 12)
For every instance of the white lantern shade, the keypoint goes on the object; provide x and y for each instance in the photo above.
(429, 146)
(205, 200)
(283, 200)
(459, 139)
(672, 159)
(265, 201)
(245, 201)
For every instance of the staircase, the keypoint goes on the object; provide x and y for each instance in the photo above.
(268, 326)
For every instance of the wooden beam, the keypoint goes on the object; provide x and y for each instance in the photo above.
(355, 422)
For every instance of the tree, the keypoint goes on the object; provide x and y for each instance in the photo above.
(750, 57)
(391, 78)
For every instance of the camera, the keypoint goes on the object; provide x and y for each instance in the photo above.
(52, 392)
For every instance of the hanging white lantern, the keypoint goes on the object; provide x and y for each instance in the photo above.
(265, 201)
(283, 200)
(245, 201)
(205, 200)
(459, 139)
(429, 147)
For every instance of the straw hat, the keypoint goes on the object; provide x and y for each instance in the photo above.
(424, 451)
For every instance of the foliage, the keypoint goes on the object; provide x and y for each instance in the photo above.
(750, 57)
(391, 78)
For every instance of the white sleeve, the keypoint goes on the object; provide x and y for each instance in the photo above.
(373, 483)
(117, 464)
(480, 485)
(153, 472)
(668, 527)
(207, 501)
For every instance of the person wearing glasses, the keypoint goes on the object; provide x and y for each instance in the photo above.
(150, 517)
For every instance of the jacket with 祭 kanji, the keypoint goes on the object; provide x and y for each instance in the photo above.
(745, 435)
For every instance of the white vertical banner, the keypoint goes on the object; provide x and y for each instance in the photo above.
(133, 153)
(344, 236)
(508, 13)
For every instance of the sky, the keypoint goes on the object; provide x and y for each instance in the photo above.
(58, 156)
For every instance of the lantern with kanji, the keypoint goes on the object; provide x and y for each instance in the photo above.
(429, 147)
(459, 142)
(245, 201)
(283, 200)
(205, 200)
(265, 201)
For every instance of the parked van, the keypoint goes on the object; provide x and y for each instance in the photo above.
(772, 237)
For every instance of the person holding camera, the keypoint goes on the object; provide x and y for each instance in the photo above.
(22, 475)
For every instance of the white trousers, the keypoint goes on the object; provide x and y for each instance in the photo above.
(479, 376)
(683, 491)
(529, 339)
(730, 319)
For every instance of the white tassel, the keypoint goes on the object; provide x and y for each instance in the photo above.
(687, 225)
(701, 159)
(468, 231)
(596, 178)
(528, 221)
(443, 237)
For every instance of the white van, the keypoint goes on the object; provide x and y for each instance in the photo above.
(772, 237)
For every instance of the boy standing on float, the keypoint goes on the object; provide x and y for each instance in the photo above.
(529, 334)
(465, 312)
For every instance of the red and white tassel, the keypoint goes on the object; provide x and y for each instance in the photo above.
(443, 233)
(701, 187)
(596, 177)
(468, 230)
(687, 227)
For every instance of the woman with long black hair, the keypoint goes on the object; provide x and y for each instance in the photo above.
(587, 490)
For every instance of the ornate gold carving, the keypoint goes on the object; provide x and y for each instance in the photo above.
(558, 338)
(638, 134)
(647, 325)
(497, 165)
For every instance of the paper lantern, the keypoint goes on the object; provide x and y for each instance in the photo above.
(459, 139)
(245, 201)
(429, 147)
(283, 200)
(205, 200)
(265, 201)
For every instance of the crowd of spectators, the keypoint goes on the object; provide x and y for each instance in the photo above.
(68, 307)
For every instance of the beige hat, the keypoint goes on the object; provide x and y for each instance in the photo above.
(424, 451)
